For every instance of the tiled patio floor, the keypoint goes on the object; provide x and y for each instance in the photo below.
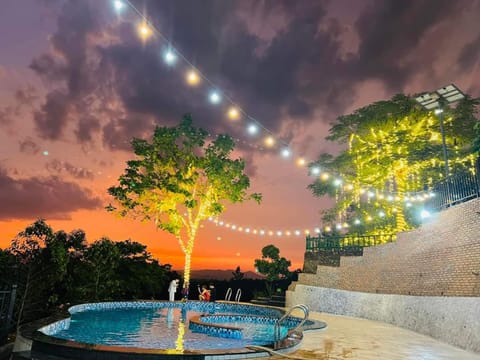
(352, 338)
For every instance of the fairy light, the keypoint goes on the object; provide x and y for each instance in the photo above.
(233, 113)
(269, 141)
(144, 31)
(301, 162)
(170, 57)
(324, 176)
(192, 78)
(118, 5)
(252, 129)
(214, 97)
(285, 153)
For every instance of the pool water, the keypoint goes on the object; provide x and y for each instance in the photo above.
(156, 328)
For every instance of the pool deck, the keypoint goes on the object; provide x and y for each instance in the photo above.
(353, 338)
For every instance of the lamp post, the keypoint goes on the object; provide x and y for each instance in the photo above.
(436, 101)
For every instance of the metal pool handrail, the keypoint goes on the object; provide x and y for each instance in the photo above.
(302, 307)
(238, 295)
(228, 295)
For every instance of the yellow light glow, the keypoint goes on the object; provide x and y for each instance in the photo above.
(144, 31)
(269, 141)
(233, 113)
(324, 176)
(349, 187)
(193, 78)
(301, 162)
(307, 232)
(328, 228)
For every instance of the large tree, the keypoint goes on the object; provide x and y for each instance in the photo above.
(393, 150)
(178, 180)
(272, 266)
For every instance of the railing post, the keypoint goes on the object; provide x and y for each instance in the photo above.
(13, 294)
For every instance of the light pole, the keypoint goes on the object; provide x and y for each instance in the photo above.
(436, 101)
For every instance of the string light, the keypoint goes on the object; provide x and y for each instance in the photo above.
(285, 153)
(215, 97)
(119, 5)
(170, 57)
(252, 129)
(193, 78)
(269, 141)
(144, 31)
(233, 113)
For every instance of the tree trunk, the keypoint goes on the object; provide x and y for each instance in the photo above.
(186, 269)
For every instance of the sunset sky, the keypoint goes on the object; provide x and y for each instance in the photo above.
(77, 83)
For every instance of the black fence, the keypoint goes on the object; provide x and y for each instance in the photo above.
(315, 244)
(456, 189)
(7, 303)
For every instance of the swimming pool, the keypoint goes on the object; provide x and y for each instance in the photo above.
(164, 329)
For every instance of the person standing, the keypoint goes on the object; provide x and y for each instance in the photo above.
(172, 289)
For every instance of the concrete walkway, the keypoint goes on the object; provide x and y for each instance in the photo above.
(353, 338)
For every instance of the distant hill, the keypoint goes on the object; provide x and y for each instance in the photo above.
(221, 275)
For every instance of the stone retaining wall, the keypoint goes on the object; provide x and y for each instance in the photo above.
(454, 320)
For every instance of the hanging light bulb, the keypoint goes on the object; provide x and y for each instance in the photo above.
(269, 141)
(252, 129)
(285, 153)
(297, 232)
(301, 162)
(233, 113)
(170, 57)
(144, 31)
(118, 5)
(192, 78)
(315, 170)
(214, 97)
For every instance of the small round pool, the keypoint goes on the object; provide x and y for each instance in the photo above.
(159, 329)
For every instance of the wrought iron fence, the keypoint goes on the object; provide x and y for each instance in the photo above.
(315, 244)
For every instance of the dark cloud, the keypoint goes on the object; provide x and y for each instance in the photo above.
(390, 32)
(470, 54)
(60, 167)
(28, 146)
(71, 68)
(47, 197)
(52, 119)
(301, 69)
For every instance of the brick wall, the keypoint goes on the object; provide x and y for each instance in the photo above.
(441, 258)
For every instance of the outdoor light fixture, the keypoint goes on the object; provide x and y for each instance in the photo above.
(118, 5)
(436, 101)
(315, 171)
(233, 113)
(214, 97)
(192, 78)
(170, 57)
(252, 129)
(286, 153)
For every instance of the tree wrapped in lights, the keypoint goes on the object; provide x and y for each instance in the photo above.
(178, 181)
(393, 153)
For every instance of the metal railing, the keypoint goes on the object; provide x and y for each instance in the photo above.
(456, 189)
(7, 302)
(277, 327)
(348, 241)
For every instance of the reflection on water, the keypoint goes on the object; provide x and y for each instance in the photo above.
(147, 328)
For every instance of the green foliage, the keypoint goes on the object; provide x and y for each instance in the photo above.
(392, 146)
(53, 268)
(178, 180)
(272, 266)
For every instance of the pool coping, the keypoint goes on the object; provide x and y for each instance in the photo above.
(43, 344)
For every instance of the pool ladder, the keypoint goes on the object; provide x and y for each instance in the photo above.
(306, 312)
(238, 295)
